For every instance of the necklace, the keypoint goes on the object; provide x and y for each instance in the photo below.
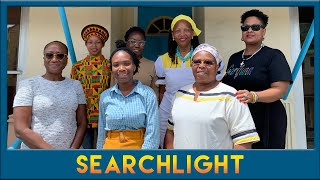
(184, 58)
(245, 59)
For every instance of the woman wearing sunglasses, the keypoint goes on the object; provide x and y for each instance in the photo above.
(50, 110)
(262, 76)
(206, 114)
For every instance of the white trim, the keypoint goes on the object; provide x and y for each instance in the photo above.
(22, 53)
(297, 88)
(14, 72)
(8, 27)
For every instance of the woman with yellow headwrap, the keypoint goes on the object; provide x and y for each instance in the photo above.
(173, 69)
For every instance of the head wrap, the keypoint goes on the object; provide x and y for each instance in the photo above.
(94, 30)
(214, 52)
(186, 18)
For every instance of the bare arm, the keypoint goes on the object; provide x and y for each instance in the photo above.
(22, 122)
(168, 139)
(243, 146)
(81, 126)
(276, 92)
(154, 86)
(162, 89)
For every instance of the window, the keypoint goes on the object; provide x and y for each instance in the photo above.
(159, 26)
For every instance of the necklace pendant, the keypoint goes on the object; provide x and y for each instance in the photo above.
(241, 64)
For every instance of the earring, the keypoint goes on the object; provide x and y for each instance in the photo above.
(172, 39)
(241, 39)
(192, 37)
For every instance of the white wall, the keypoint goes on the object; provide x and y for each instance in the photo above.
(123, 19)
(45, 25)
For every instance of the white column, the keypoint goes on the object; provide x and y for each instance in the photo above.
(300, 140)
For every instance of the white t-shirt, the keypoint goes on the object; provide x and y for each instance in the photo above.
(217, 120)
(54, 105)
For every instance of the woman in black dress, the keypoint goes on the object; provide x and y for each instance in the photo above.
(262, 76)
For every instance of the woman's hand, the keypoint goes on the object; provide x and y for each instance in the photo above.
(244, 96)
(274, 93)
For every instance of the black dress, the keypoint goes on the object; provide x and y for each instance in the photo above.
(267, 66)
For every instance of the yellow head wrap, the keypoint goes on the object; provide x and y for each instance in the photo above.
(186, 18)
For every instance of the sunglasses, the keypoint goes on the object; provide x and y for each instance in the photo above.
(206, 62)
(133, 42)
(254, 27)
(59, 56)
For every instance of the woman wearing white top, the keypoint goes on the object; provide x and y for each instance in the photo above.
(173, 68)
(206, 114)
(50, 110)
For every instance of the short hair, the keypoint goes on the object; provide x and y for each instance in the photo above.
(256, 13)
(134, 57)
(133, 30)
(56, 42)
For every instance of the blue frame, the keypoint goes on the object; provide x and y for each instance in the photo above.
(267, 164)
(302, 55)
(65, 26)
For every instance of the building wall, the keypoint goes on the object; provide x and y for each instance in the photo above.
(122, 20)
(45, 26)
(199, 18)
(222, 31)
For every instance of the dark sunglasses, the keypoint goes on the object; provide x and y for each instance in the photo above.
(58, 56)
(206, 62)
(254, 27)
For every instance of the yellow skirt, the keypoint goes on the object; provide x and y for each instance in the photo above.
(124, 139)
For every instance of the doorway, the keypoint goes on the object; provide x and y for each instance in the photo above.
(306, 15)
(157, 25)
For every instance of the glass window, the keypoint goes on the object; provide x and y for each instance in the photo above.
(159, 26)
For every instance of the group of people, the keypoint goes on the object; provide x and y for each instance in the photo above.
(183, 100)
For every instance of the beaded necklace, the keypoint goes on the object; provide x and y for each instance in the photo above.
(245, 59)
(184, 58)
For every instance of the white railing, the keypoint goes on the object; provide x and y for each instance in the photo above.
(291, 129)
